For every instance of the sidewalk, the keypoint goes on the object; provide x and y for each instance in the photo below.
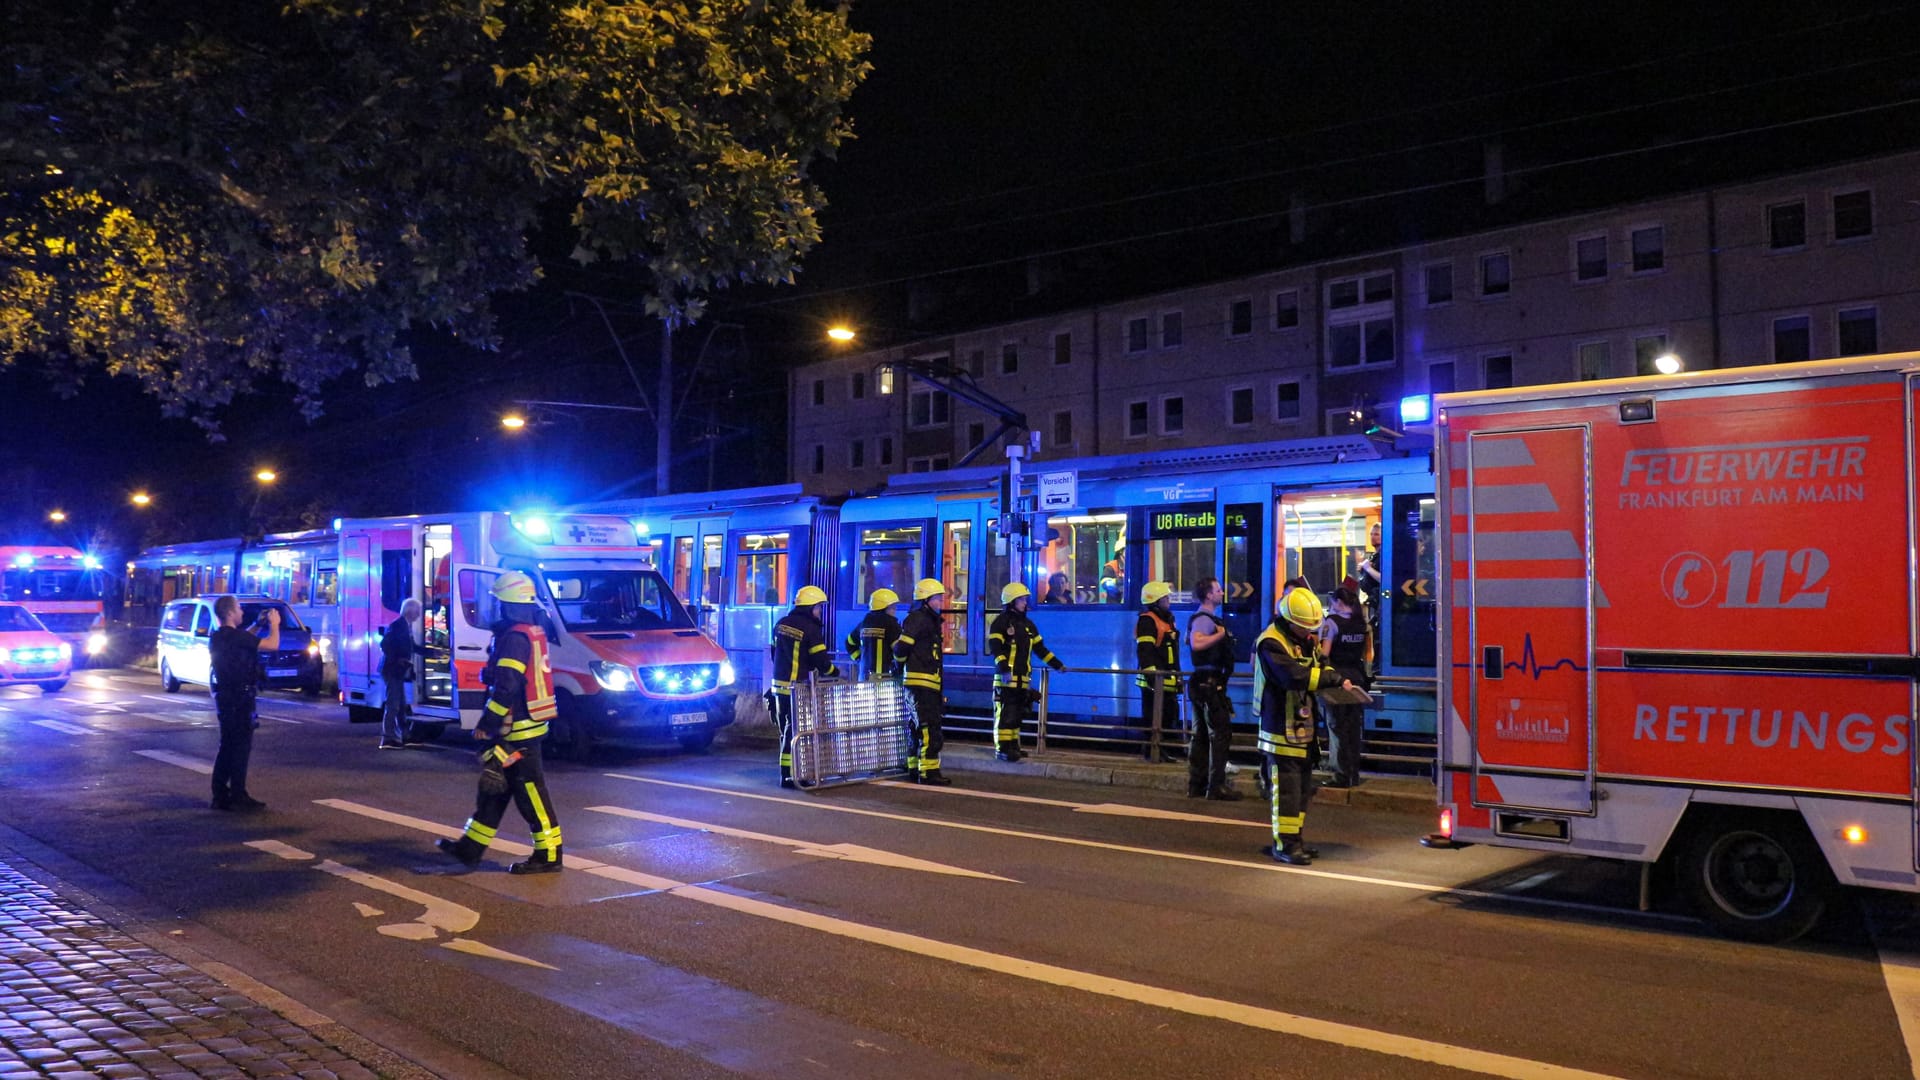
(80, 997)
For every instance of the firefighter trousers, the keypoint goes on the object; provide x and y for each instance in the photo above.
(1011, 707)
(526, 791)
(1212, 736)
(930, 714)
(1290, 784)
(783, 719)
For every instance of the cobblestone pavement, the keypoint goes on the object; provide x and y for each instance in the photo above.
(81, 998)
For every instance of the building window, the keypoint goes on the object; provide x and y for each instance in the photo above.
(858, 385)
(1499, 371)
(937, 463)
(1173, 415)
(1009, 359)
(1439, 283)
(1496, 274)
(1858, 331)
(1063, 428)
(1286, 402)
(1787, 225)
(1137, 335)
(885, 382)
(1440, 377)
(1646, 349)
(1286, 309)
(886, 451)
(1137, 419)
(1649, 249)
(1171, 331)
(928, 408)
(977, 363)
(819, 459)
(1062, 348)
(976, 434)
(1852, 215)
(1240, 406)
(1240, 318)
(1792, 339)
(1590, 258)
(857, 454)
(819, 391)
(1595, 360)
(1346, 421)
(1360, 332)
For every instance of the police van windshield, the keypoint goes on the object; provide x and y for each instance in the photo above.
(13, 617)
(615, 600)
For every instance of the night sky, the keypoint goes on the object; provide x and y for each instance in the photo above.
(990, 131)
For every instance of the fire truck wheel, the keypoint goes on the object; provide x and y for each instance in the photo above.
(572, 730)
(1756, 878)
(53, 687)
(167, 682)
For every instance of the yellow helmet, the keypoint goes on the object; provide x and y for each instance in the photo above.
(927, 588)
(514, 587)
(882, 599)
(809, 595)
(1302, 608)
(1014, 591)
(1154, 591)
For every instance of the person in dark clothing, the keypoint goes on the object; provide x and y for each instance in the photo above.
(398, 647)
(235, 655)
(1349, 643)
(1371, 588)
(870, 645)
(1211, 646)
(918, 651)
(1157, 655)
(1059, 591)
(1288, 672)
(1015, 643)
(799, 649)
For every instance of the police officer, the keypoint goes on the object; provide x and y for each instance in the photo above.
(1349, 644)
(919, 652)
(1288, 671)
(1014, 642)
(870, 645)
(1211, 646)
(1157, 649)
(799, 649)
(520, 703)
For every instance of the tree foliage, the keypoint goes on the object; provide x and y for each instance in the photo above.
(205, 201)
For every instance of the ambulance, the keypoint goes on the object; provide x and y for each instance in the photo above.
(1678, 627)
(63, 587)
(628, 659)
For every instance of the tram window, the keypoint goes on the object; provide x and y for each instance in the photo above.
(1414, 582)
(1181, 547)
(326, 588)
(683, 568)
(1323, 535)
(1091, 550)
(1000, 565)
(712, 568)
(889, 559)
(956, 548)
(1241, 578)
(761, 566)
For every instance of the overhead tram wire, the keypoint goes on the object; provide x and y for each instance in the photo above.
(1326, 129)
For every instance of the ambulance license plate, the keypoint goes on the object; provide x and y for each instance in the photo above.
(282, 672)
(689, 719)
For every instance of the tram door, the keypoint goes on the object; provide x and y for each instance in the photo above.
(696, 564)
(1327, 536)
(963, 563)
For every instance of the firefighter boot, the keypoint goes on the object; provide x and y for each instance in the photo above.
(462, 849)
(537, 864)
(1293, 853)
(935, 778)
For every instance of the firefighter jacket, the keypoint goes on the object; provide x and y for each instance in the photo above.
(519, 682)
(919, 647)
(1015, 642)
(871, 645)
(1157, 648)
(799, 650)
(1286, 674)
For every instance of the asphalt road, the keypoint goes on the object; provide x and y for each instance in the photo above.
(711, 924)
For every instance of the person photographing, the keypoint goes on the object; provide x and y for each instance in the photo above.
(235, 657)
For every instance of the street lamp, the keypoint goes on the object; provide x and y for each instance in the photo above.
(266, 476)
(141, 498)
(1667, 364)
(840, 333)
(57, 516)
(513, 421)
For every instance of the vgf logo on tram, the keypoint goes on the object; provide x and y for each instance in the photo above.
(1747, 579)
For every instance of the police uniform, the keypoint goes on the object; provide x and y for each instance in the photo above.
(870, 645)
(1288, 671)
(1347, 645)
(799, 650)
(520, 704)
(1015, 642)
(1213, 712)
(1157, 648)
(918, 650)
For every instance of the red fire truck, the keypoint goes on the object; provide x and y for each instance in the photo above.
(1681, 619)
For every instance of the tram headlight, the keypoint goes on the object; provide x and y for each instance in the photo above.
(616, 677)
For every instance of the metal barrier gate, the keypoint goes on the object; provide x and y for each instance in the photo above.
(850, 732)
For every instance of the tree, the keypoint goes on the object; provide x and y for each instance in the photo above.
(282, 191)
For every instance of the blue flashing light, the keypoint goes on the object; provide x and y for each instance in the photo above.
(641, 528)
(336, 523)
(90, 563)
(536, 529)
(23, 560)
(1417, 409)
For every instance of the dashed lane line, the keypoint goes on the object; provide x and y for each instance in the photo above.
(63, 727)
(849, 852)
(194, 764)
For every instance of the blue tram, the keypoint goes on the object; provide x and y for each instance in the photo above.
(301, 569)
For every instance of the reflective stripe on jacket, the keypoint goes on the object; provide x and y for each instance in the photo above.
(870, 645)
(799, 649)
(919, 647)
(519, 680)
(1157, 647)
(1015, 643)
(1286, 673)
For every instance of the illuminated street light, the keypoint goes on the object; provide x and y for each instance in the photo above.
(841, 334)
(266, 476)
(57, 516)
(1667, 364)
(141, 498)
(513, 421)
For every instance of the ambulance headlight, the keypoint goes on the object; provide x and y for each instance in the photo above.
(5, 656)
(65, 650)
(726, 674)
(615, 677)
(96, 644)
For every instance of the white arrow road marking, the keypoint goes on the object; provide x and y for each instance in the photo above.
(204, 768)
(64, 728)
(475, 948)
(1253, 1016)
(1264, 866)
(367, 911)
(504, 847)
(284, 851)
(1116, 809)
(438, 914)
(849, 852)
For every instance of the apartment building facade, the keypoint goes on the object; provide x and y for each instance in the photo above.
(1811, 265)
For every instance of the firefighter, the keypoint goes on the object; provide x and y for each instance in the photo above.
(520, 704)
(870, 645)
(1288, 670)
(799, 650)
(1210, 644)
(1157, 648)
(1014, 642)
(919, 652)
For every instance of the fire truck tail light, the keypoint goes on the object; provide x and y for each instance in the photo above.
(1854, 834)
(1446, 822)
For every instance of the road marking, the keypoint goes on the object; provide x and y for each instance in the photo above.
(1253, 1016)
(437, 915)
(849, 852)
(204, 768)
(168, 698)
(286, 720)
(1115, 809)
(1901, 970)
(974, 794)
(505, 847)
(63, 727)
(1240, 864)
(1535, 881)
(475, 948)
(367, 911)
(284, 851)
